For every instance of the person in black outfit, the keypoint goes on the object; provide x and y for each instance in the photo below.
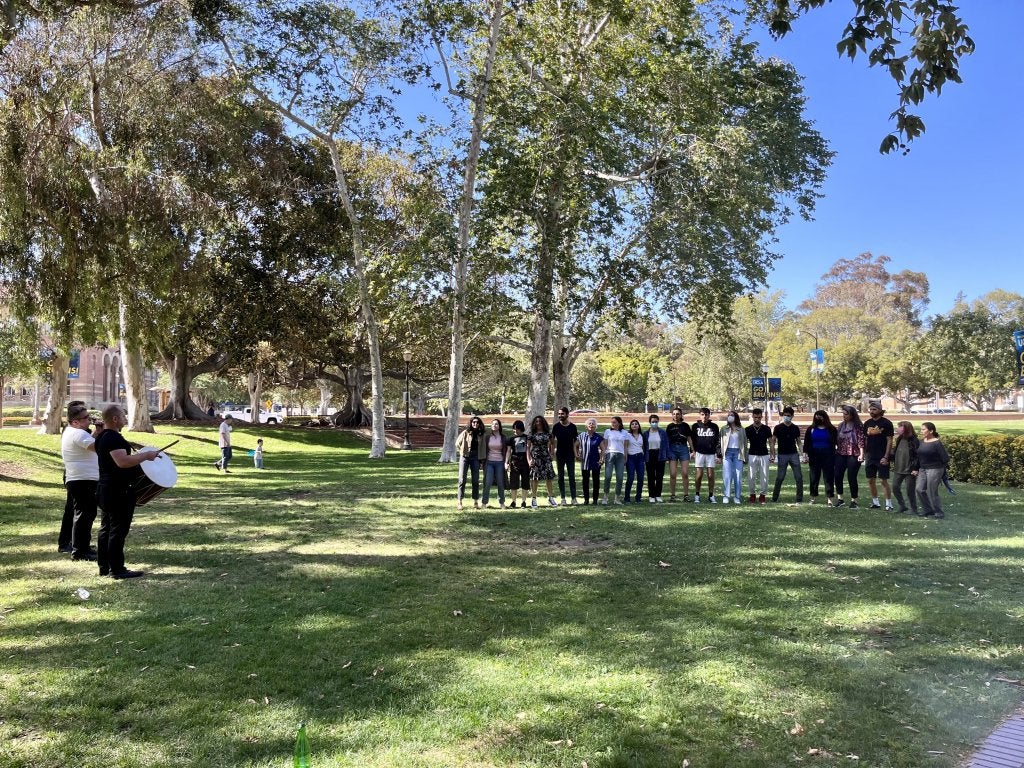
(758, 435)
(784, 448)
(518, 465)
(119, 471)
(705, 442)
(878, 437)
(565, 434)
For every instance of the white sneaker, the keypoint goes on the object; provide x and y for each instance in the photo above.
(712, 499)
(737, 500)
(563, 501)
(696, 499)
(575, 501)
(552, 502)
(533, 502)
(660, 500)
(725, 499)
(618, 501)
(604, 502)
(652, 500)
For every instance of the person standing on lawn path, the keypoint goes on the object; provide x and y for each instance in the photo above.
(224, 441)
(758, 437)
(705, 443)
(878, 435)
(849, 454)
(517, 463)
(903, 463)
(67, 522)
(540, 459)
(472, 449)
(656, 451)
(933, 460)
(589, 450)
(680, 448)
(784, 448)
(565, 433)
(81, 476)
(119, 471)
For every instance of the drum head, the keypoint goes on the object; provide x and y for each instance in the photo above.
(161, 470)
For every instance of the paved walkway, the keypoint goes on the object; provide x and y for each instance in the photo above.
(1003, 749)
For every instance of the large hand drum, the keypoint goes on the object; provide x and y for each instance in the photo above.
(158, 475)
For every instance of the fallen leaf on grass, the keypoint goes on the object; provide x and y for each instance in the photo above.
(1007, 680)
(456, 612)
(796, 730)
(377, 671)
(663, 564)
(852, 757)
(346, 665)
(820, 721)
(266, 700)
(190, 666)
(819, 752)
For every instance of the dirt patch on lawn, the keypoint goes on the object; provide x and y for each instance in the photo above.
(12, 471)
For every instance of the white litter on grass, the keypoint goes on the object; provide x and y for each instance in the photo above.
(82, 592)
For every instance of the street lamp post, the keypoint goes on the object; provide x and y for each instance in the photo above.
(817, 369)
(767, 412)
(407, 356)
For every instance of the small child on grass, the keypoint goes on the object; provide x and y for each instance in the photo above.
(257, 455)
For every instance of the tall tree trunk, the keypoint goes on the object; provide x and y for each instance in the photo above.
(134, 375)
(54, 414)
(378, 443)
(255, 386)
(37, 416)
(559, 372)
(325, 396)
(354, 412)
(180, 404)
(460, 271)
(543, 306)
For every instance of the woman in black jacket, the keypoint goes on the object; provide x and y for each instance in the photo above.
(903, 461)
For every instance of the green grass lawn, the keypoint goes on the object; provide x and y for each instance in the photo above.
(350, 595)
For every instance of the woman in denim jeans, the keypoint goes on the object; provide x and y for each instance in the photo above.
(614, 458)
(494, 471)
(734, 455)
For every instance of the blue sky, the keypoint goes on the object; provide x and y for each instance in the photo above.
(951, 208)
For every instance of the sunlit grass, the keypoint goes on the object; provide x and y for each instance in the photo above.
(349, 594)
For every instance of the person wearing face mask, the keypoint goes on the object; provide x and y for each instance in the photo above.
(903, 462)
(849, 454)
(657, 452)
(706, 447)
(733, 442)
(783, 446)
(820, 447)
(471, 446)
(758, 436)
(565, 434)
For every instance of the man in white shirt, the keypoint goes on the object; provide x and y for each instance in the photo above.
(224, 441)
(78, 450)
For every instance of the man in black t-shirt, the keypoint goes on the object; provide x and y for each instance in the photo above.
(119, 471)
(785, 445)
(708, 449)
(565, 434)
(878, 435)
(758, 435)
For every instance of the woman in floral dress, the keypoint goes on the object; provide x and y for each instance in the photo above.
(542, 445)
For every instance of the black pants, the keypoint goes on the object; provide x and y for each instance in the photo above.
(67, 522)
(591, 482)
(822, 464)
(566, 466)
(850, 466)
(118, 505)
(469, 466)
(655, 477)
(83, 493)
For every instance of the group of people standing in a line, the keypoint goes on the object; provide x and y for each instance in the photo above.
(834, 454)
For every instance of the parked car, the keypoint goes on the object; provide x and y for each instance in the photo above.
(245, 414)
(582, 410)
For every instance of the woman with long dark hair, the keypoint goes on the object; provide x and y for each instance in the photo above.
(903, 463)
(933, 461)
(472, 450)
(849, 454)
(517, 462)
(614, 458)
(542, 445)
(820, 447)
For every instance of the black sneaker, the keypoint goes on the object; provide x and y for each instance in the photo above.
(64, 550)
(853, 505)
(89, 556)
(104, 571)
(126, 574)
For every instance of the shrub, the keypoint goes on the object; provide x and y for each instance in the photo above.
(986, 460)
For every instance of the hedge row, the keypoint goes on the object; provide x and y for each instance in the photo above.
(986, 460)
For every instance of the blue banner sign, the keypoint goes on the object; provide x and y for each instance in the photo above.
(1018, 343)
(817, 358)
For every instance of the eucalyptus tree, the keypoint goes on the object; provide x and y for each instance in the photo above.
(333, 71)
(635, 127)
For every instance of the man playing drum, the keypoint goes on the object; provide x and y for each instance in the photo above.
(119, 469)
